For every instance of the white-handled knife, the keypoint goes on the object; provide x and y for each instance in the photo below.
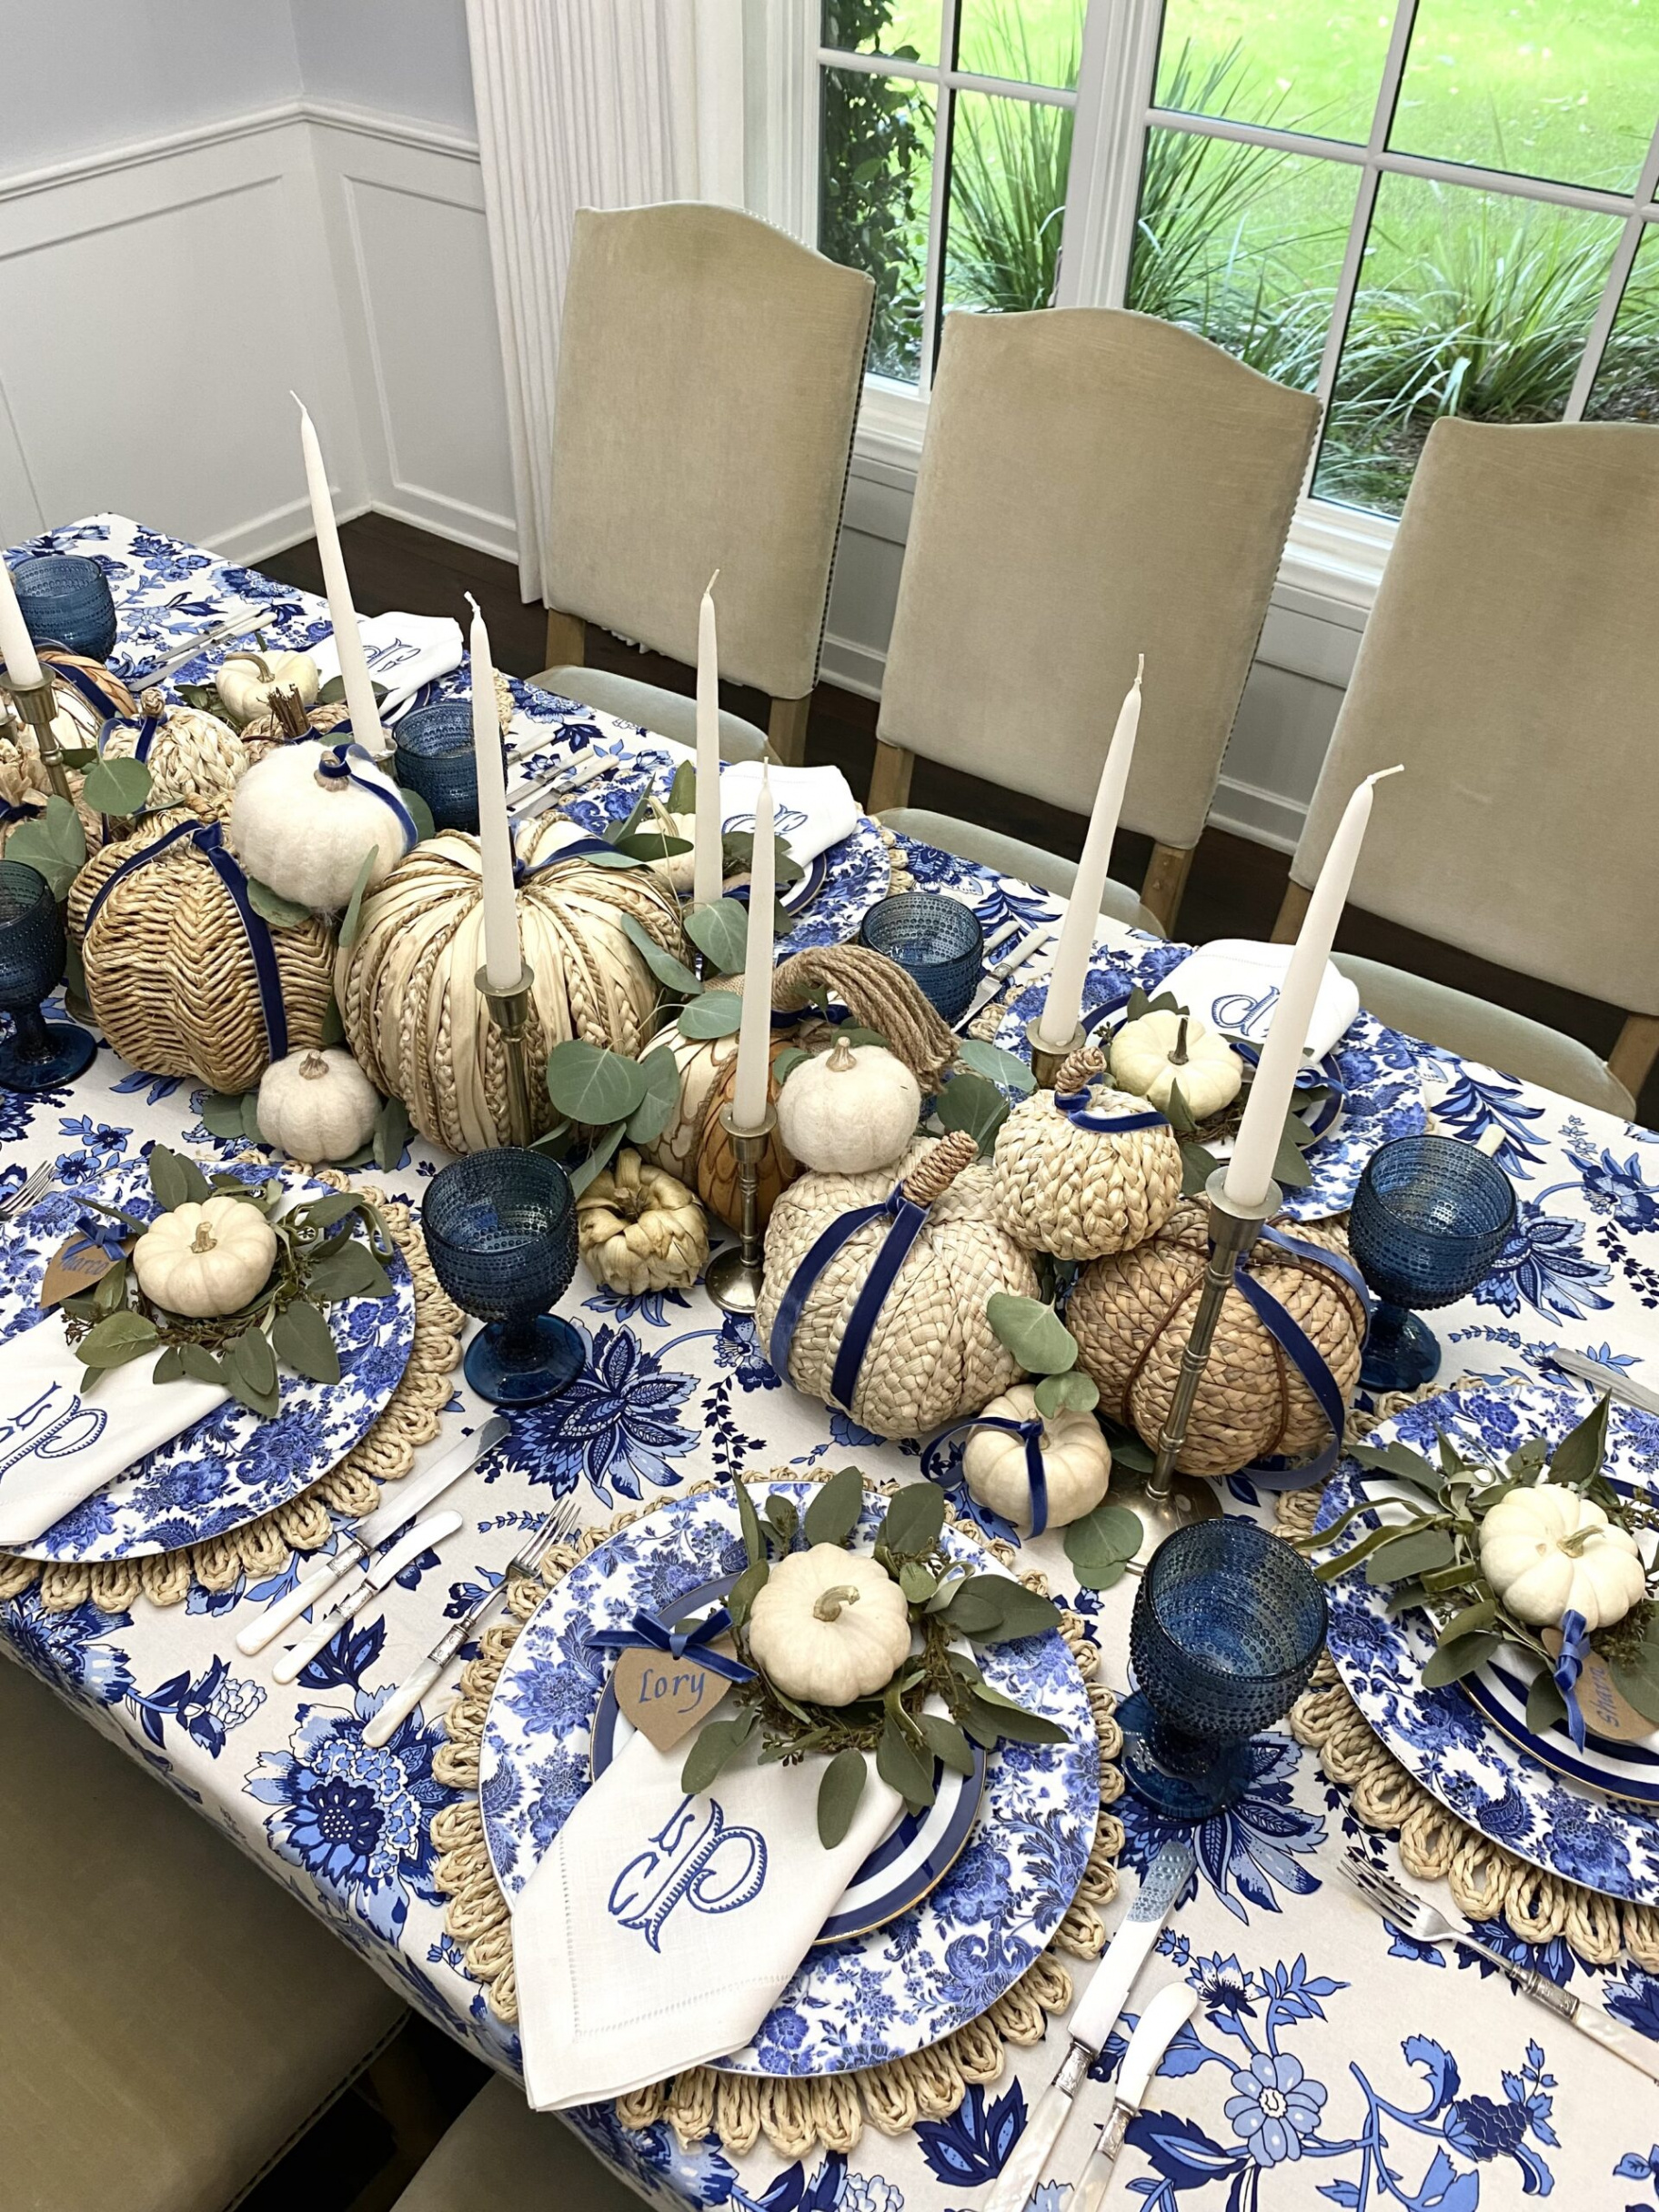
(1604, 1378)
(998, 973)
(1103, 2000)
(1164, 2017)
(408, 1498)
(353, 1591)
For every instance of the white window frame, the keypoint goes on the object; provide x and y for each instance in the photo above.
(1336, 554)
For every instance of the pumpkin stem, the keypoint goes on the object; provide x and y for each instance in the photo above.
(1178, 1058)
(313, 1065)
(932, 1177)
(829, 1603)
(152, 701)
(842, 1058)
(204, 1238)
(1573, 1544)
(288, 708)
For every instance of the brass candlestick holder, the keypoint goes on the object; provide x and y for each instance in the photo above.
(36, 704)
(1164, 1500)
(734, 1276)
(1046, 1063)
(509, 1010)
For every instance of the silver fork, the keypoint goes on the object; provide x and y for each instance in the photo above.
(1426, 1923)
(29, 1191)
(559, 1522)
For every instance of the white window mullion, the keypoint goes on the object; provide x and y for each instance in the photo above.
(938, 200)
(1115, 77)
(1613, 292)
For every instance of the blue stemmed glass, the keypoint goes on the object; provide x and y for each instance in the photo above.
(500, 1228)
(434, 758)
(65, 600)
(938, 942)
(39, 1054)
(1429, 1221)
(1228, 1624)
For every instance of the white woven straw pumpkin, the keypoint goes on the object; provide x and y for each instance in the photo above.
(1081, 1193)
(407, 985)
(194, 760)
(932, 1355)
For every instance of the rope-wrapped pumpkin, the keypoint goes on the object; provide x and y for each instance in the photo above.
(194, 760)
(182, 974)
(407, 985)
(1081, 1173)
(905, 1355)
(1132, 1316)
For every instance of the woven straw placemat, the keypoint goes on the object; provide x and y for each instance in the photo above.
(351, 1487)
(792, 2115)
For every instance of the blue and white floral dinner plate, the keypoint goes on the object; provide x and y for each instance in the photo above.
(867, 1998)
(231, 1467)
(1468, 1745)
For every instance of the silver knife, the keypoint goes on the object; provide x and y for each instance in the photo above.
(353, 1591)
(241, 624)
(1164, 2017)
(998, 975)
(367, 1535)
(1103, 2000)
(1606, 1378)
(537, 796)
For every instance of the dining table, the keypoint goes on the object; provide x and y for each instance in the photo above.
(1331, 2060)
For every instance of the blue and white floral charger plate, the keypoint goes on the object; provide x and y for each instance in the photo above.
(232, 1467)
(872, 1997)
(1468, 1745)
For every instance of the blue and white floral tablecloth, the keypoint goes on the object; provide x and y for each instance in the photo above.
(1329, 2063)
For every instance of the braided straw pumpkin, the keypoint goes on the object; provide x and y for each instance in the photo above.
(288, 718)
(1081, 1193)
(25, 787)
(169, 972)
(1132, 1316)
(932, 1355)
(87, 695)
(194, 760)
(415, 1019)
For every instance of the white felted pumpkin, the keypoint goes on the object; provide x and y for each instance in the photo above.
(205, 1260)
(317, 1105)
(1547, 1552)
(932, 1356)
(1076, 1462)
(246, 682)
(1080, 1192)
(849, 1109)
(1151, 1056)
(639, 1229)
(828, 1625)
(194, 760)
(304, 817)
(407, 991)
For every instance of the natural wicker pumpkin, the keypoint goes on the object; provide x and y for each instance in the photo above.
(932, 1355)
(287, 720)
(169, 973)
(194, 760)
(24, 788)
(1081, 1193)
(639, 1229)
(87, 695)
(407, 986)
(1132, 1316)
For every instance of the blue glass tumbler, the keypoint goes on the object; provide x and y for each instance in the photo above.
(500, 1228)
(1228, 1625)
(65, 600)
(39, 1054)
(1429, 1219)
(938, 942)
(434, 758)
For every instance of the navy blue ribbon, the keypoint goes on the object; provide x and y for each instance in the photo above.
(1569, 1666)
(649, 1634)
(579, 849)
(97, 1234)
(1029, 1433)
(209, 838)
(905, 1220)
(101, 701)
(1321, 1076)
(1302, 1353)
(1074, 1105)
(27, 809)
(335, 767)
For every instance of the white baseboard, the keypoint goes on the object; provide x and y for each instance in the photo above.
(451, 518)
(1265, 818)
(854, 667)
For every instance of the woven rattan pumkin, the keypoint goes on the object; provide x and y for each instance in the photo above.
(932, 1356)
(289, 719)
(407, 988)
(87, 695)
(1132, 1316)
(171, 973)
(1078, 1192)
(194, 760)
(24, 788)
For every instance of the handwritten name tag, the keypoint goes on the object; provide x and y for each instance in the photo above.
(77, 1265)
(666, 1698)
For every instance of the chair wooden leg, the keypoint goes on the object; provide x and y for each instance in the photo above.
(786, 729)
(1632, 1056)
(1292, 907)
(566, 641)
(889, 780)
(1166, 879)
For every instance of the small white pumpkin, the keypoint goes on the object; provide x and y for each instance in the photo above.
(246, 682)
(851, 1110)
(1547, 1552)
(317, 1105)
(206, 1259)
(302, 820)
(1151, 1055)
(830, 1625)
(1076, 1462)
(639, 1229)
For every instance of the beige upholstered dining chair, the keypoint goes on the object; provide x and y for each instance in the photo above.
(1094, 485)
(1512, 662)
(709, 377)
(501, 2155)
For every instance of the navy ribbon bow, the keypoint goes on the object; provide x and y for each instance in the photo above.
(905, 1218)
(1303, 1355)
(649, 1634)
(1029, 1433)
(1569, 1665)
(96, 1233)
(335, 766)
(1074, 1105)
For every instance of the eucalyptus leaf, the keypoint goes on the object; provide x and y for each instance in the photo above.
(914, 1518)
(1470, 1621)
(946, 1741)
(1015, 1723)
(743, 1592)
(201, 1366)
(1546, 1708)
(54, 844)
(1033, 1332)
(660, 1073)
(351, 921)
(392, 1126)
(682, 791)
(653, 845)
(1291, 1171)
(592, 1085)
(334, 1026)
(1577, 1458)
(1072, 1392)
(119, 1337)
(1179, 1115)
(994, 1608)
(917, 1582)
(222, 1114)
(616, 832)
(901, 1766)
(175, 1180)
(782, 1518)
(599, 1154)
(720, 930)
(168, 1367)
(983, 1058)
(673, 974)
(418, 812)
(1398, 1459)
(786, 1062)
(971, 1103)
(717, 1013)
(1638, 1685)
(251, 1355)
(1100, 1545)
(345, 1268)
(1450, 1662)
(1414, 1552)
(715, 1745)
(1197, 1166)
(833, 1511)
(116, 786)
(301, 1336)
(272, 907)
(839, 1790)
(749, 1521)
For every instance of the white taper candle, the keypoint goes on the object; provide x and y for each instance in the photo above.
(503, 959)
(17, 647)
(1255, 1149)
(1063, 1009)
(753, 1078)
(347, 642)
(707, 874)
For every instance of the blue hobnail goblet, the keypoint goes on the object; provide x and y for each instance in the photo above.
(39, 1054)
(500, 1228)
(1429, 1219)
(434, 758)
(65, 600)
(1228, 1623)
(938, 942)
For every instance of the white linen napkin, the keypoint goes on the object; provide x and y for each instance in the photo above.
(403, 652)
(659, 1929)
(59, 1445)
(1233, 984)
(812, 807)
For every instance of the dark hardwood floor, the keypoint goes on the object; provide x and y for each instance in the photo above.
(1236, 886)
